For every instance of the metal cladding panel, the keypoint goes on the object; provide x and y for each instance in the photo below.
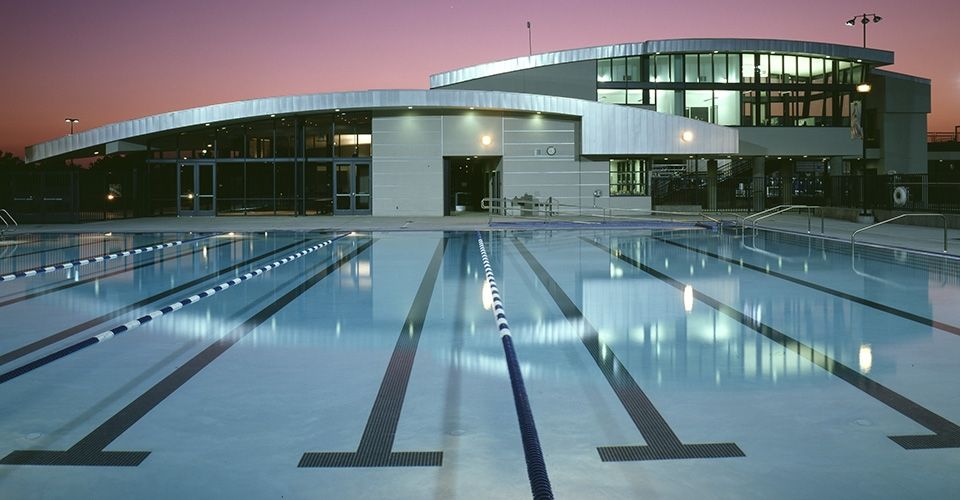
(687, 45)
(607, 128)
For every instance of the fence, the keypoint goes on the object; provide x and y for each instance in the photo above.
(909, 192)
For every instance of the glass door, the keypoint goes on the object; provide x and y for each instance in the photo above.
(352, 188)
(196, 189)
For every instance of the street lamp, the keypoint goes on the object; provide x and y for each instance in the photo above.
(71, 121)
(865, 19)
(863, 88)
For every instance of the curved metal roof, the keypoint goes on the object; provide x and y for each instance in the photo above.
(686, 45)
(606, 129)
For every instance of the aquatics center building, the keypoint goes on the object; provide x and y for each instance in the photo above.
(584, 127)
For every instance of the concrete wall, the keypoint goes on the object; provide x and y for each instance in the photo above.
(408, 152)
(903, 134)
(407, 165)
(527, 166)
(798, 141)
(578, 80)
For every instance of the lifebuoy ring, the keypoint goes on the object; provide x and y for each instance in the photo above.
(900, 196)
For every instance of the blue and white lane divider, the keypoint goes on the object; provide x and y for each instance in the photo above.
(99, 258)
(146, 318)
(536, 468)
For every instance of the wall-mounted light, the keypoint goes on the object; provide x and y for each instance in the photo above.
(686, 136)
(486, 140)
(864, 87)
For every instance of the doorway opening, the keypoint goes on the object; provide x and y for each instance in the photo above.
(196, 189)
(468, 180)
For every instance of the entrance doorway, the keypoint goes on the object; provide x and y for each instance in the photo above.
(196, 191)
(468, 180)
(351, 187)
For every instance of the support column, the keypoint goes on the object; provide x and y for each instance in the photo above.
(758, 184)
(786, 181)
(711, 184)
(836, 181)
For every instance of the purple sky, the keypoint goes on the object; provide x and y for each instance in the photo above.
(104, 61)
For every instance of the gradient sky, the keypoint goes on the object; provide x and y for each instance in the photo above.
(104, 61)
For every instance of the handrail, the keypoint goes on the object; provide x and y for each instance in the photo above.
(552, 208)
(787, 208)
(6, 225)
(4, 210)
(853, 237)
(763, 212)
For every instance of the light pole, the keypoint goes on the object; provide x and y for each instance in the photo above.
(863, 88)
(865, 19)
(71, 121)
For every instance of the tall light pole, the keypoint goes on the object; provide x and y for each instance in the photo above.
(71, 121)
(530, 38)
(865, 19)
(863, 89)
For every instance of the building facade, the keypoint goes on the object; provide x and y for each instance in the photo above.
(585, 127)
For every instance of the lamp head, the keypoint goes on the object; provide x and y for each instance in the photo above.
(877, 18)
(851, 22)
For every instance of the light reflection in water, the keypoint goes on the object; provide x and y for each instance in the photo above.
(866, 358)
(486, 296)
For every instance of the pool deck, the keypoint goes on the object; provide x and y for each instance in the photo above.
(927, 239)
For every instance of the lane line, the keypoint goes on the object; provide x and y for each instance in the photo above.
(74, 245)
(73, 330)
(99, 258)
(89, 451)
(142, 320)
(946, 433)
(662, 442)
(376, 444)
(946, 327)
(532, 451)
(103, 274)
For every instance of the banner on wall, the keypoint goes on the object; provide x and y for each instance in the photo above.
(856, 126)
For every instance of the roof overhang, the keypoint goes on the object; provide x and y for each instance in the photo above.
(687, 45)
(606, 129)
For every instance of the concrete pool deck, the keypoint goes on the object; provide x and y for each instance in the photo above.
(928, 239)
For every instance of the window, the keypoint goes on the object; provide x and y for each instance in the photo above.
(628, 177)
(612, 96)
(603, 70)
(619, 66)
(690, 73)
(634, 73)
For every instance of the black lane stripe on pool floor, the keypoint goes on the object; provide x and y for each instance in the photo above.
(946, 433)
(662, 442)
(820, 288)
(101, 275)
(73, 330)
(89, 451)
(376, 444)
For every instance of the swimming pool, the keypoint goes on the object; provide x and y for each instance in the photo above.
(658, 363)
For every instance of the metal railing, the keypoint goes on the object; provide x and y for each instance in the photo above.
(546, 211)
(7, 219)
(787, 208)
(853, 237)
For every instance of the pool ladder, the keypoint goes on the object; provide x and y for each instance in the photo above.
(8, 222)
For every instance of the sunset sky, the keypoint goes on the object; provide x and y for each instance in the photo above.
(104, 61)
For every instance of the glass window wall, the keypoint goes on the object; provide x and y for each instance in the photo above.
(628, 177)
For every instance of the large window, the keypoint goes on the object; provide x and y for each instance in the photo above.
(628, 177)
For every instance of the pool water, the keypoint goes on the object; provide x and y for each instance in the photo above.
(658, 364)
